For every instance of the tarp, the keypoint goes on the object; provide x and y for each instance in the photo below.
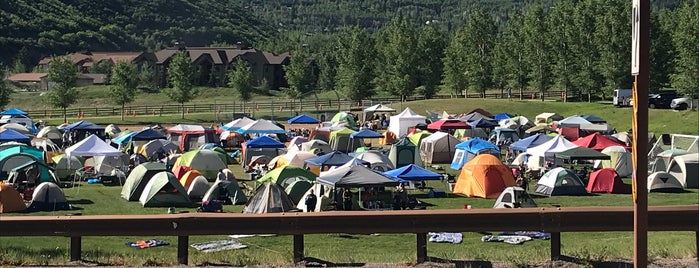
(581, 153)
(484, 176)
(12, 135)
(237, 124)
(598, 142)
(14, 111)
(354, 177)
(263, 142)
(412, 173)
(92, 146)
(147, 135)
(607, 181)
(261, 126)
(303, 119)
(82, 125)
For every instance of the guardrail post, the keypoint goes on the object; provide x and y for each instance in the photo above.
(182, 249)
(421, 247)
(75, 248)
(298, 248)
(555, 245)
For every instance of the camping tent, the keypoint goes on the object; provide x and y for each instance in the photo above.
(190, 136)
(484, 176)
(332, 159)
(354, 177)
(237, 124)
(445, 124)
(620, 160)
(12, 135)
(164, 190)
(302, 119)
(32, 171)
(403, 153)
(400, 123)
(48, 197)
(198, 188)
(158, 149)
(412, 173)
(607, 181)
(92, 146)
(269, 198)
(529, 142)
(340, 140)
(226, 191)
(474, 116)
(207, 162)
(261, 126)
(560, 181)
(504, 135)
(417, 137)
(17, 155)
(598, 142)
(296, 158)
(297, 189)
(14, 111)
(316, 146)
(461, 134)
(547, 118)
(483, 123)
(581, 153)
(262, 145)
(286, 175)
(468, 149)
(686, 169)
(10, 200)
(65, 166)
(344, 119)
(664, 182)
(438, 148)
(188, 178)
(592, 119)
(376, 159)
(138, 178)
(52, 133)
(378, 108)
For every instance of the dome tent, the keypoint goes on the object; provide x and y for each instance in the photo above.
(484, 176)
(664, 182)
(138, 178)
(403, 153)
(606, 180)
(164, 190)
(686, 169)
(560, 181)
(10, 200)
(48, 197)
(226, 191)
(269, 198)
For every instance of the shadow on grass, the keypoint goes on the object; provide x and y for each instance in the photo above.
(80, 201)
(315, 262)
(463, 263)
(594, 263)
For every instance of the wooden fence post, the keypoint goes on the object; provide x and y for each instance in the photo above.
(298, 248)
(421, 247)
(183, 250)
(555, 245)
(75, 248)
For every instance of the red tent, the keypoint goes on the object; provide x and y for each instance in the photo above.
(443, 124)
(598, 142)
(607, 181)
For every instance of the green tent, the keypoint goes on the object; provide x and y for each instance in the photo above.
(19, 154)
(344, 117)
(281, 174)
(297, 189)
(340, 140)
(403, 153)
(138, 178)
(164, 190)
(226, 191)
(65, 168)
(44, 171)
(207, 162)
(417, 137)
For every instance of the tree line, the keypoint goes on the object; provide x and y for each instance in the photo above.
(579, 47)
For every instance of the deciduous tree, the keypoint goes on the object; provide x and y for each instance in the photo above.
(686, 40)
(430, 50)
(123, 84)
(355, 59)
(536, 49)
(240, 80)
(179, 75)
(64, 75)
(480, 34)
(455, 64)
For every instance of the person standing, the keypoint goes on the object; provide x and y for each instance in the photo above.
(347, 199)
(311, 201)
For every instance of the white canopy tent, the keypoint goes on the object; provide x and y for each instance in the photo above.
(378, 108)
(92, 146)
(400, 123)
(237, 124)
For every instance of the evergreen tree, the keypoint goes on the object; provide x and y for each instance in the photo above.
(536, 49)
(327, 65)
(686, 40)
(355, 70)
(501, 56)
(18, 67)
(586, 79)
(455, 64)
(5, 90)
(123, 84)
(148, 78)
(179, 75)
(64, 74)
(480, 33)
(240, 80)
(661, 52)
(611, 34)
(430, 51)
(561, 37)
(399, 62)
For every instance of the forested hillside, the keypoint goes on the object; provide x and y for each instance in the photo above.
(45, 27)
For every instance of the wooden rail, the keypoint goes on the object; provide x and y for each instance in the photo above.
(419, 222)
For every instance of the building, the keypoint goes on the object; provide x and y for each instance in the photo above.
(86, 59)
(40, 81)
(212, 63)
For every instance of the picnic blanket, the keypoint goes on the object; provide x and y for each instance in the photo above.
(218, 245)
(442, 237)
(147, 243)
(510, 239)
(532, 234)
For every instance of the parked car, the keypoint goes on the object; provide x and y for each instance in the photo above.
(662, 99)
(684, 103)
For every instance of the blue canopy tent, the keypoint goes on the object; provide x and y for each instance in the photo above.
(592, 119)
(412, 173)
(365, 134)
(333, 159)
(262, 145)
(531, 141)
(469, 149)
(14, 111)
(12, 135)
(83, 125)
(263, 142)
(502, 116)
(483, 123)
(147, 134)
(303, 119)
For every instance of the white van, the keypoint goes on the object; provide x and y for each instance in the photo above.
(622, 97)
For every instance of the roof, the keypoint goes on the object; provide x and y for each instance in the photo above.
(27, 77)
(83, 125)
(89, 57)
(224, 55)
(13, 111)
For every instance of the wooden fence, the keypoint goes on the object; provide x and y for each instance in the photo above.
(553, 220)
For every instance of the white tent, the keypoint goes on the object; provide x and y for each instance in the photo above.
(237, 124)
(378, 108)
(620, 160)
(377, 160)
(574, 120)
(556, 145)
(92, 146)
(664, 182)
(438, 148)
(400, 123)
(686, 169)
(260, 127)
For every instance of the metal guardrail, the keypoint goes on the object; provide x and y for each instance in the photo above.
(420, 222)
(307, 105)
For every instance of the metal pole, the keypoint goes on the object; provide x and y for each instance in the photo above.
(641, 18)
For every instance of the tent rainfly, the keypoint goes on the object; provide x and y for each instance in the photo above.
(261, 126)
(303, 119)
(237, 124)
(354, 177)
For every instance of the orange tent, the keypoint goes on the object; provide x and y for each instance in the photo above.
(484, 176)
(10, 200)
(388, 138)
(189, 177)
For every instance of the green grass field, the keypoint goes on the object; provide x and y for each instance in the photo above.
(100, 199)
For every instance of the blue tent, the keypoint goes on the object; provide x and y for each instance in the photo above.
(333, 159)
(263, 142)
(531, 141)
(14, 111)
(592, 119)
(147, 134)
(12, 135)
(483, 123)
(502, 116)
(412, 173)
(303, 119)
(366, 134)
(83, 125)
(124, 138)
(470, 148)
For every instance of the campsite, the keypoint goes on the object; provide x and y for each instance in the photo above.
(454, 160)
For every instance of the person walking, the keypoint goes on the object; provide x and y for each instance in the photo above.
(311, 201)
